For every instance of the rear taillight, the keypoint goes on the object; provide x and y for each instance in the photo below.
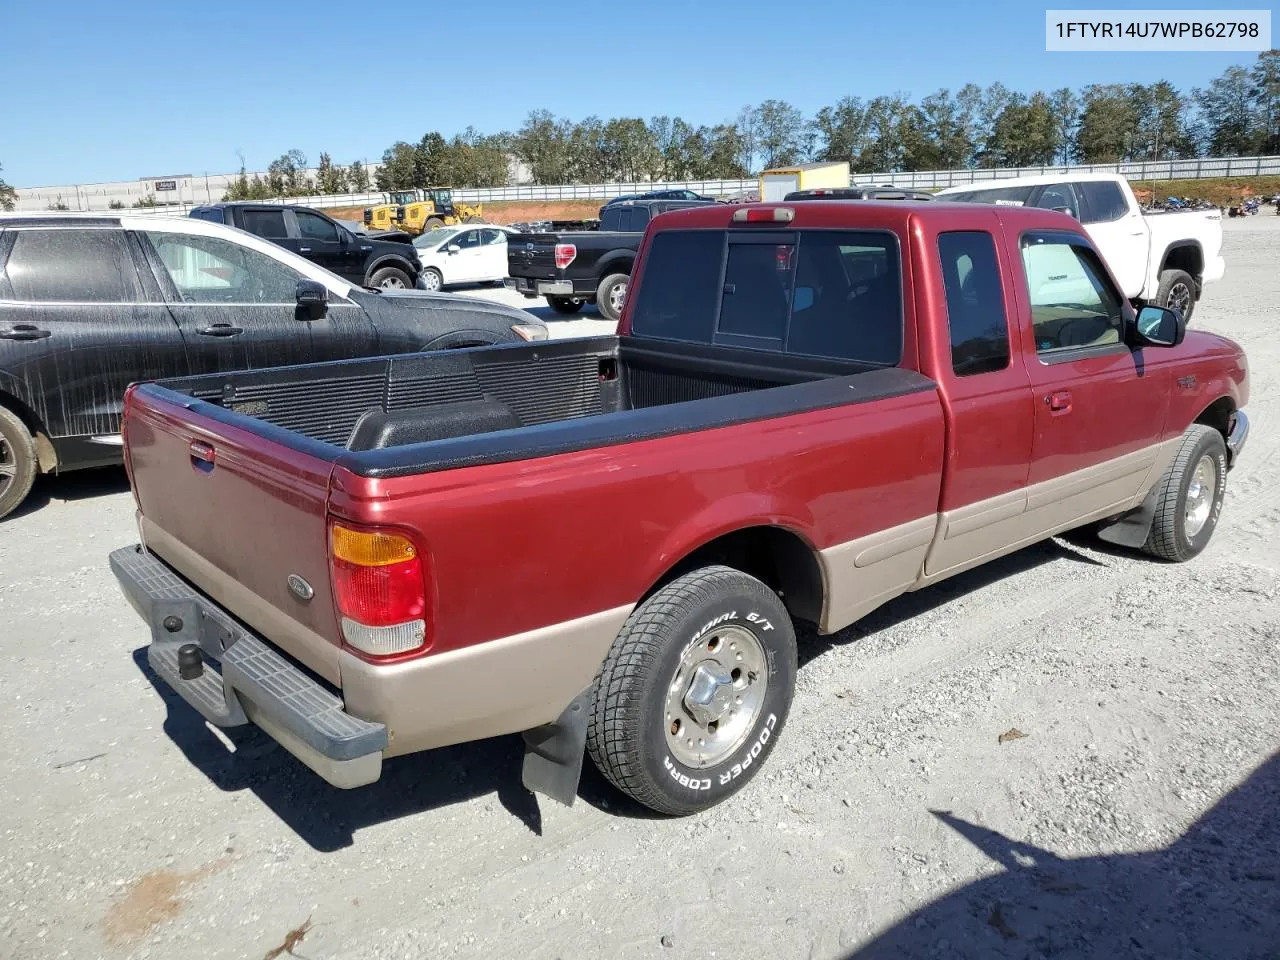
(565, 254)
(380, 587)
(530, 331)
(763, 215)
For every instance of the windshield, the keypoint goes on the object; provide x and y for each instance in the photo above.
(434, 238)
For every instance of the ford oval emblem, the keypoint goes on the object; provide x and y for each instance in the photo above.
(300, 588)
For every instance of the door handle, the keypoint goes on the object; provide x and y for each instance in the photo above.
(202, 456)
(221, 330)
(1059, 402)
(24, 331)
(304, 249)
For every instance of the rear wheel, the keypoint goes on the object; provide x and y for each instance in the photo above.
(694, 692)
(611, 295)
(17, 461)
(564, 305)
(390, 278)
(1177, 291)
(1189, 496)
(434, 223)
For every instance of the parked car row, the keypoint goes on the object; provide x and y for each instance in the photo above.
(92, 303)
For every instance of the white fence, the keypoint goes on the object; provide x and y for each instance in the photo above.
(1142, 170)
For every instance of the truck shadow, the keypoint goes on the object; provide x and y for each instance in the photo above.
(1213, 892)
(326, 817)
(76, 485)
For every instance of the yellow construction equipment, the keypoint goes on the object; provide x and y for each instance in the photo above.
(417, 211)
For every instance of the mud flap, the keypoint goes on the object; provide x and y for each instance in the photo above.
(553, 753)
(1131, 529)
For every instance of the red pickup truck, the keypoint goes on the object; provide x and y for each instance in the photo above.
(605, 544)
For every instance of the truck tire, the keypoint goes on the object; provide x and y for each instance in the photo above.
(433, 223)
(391, 278)
(17, 461)
(611, 295)
(432, 279)
(1189, 496)
(1177, 291)
(717, 634)
(564, 305)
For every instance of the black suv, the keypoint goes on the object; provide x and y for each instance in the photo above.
(90, 304)
(363, 260)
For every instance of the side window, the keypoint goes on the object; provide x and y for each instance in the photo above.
(315, 227)
(1073, 304)
(1059, 196)
(71, 266)
(266, 223)
(975, 302)
(1103, 201)
(213, 270)
(468, 239)
(492, 236)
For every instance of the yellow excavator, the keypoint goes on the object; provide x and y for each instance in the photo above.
(417, 211)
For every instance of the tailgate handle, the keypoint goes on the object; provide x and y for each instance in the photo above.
(202, 455)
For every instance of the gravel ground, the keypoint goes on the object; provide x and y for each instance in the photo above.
(1135, 818)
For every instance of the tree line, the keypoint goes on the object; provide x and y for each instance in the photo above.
(1236, 114)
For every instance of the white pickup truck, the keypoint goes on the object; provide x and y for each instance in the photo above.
(1159, 258)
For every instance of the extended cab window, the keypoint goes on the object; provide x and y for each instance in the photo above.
(1073, 303)
(315, 227)
(822, 293)
(1102, 200)
(975, 302)
(266, 223)
(212, 270)
(71, 266)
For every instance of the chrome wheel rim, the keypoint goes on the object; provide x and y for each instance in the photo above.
(715, 696)
(616, 297)
(1200, 495)
(392, 283)
(432, 281)
(8, 464)
(1179, 298)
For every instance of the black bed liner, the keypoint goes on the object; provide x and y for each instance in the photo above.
(415, 413)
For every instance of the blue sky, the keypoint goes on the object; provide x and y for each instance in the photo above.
(106, 91)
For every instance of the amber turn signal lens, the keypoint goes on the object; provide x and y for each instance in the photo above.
(365, 549)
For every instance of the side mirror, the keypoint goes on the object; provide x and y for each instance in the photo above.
(1158, 327)
(1067, 210)
(453, 248)
(313, 299)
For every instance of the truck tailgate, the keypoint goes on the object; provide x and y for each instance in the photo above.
(239, 515)
(532, 255)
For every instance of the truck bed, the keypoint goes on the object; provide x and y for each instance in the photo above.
(392, 416)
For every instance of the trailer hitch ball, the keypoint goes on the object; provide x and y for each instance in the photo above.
(190, 663)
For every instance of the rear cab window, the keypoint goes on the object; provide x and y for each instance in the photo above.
(821, 293)
(61, 265)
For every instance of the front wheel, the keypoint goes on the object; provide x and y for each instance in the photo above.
(1177, 291)
(432, 279)
(434, 223)
(1189, 496)
(564, 305)
(390, 278)
(694, 692)
(611, 295)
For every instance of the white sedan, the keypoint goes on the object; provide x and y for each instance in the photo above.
(468, 253)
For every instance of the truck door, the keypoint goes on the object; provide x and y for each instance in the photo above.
(977, 360)
(1099, 405)
(320, 241)
(1118, 230)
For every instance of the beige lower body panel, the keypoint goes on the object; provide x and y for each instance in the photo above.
(865, 573)
(504, 686)
(306, 646)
